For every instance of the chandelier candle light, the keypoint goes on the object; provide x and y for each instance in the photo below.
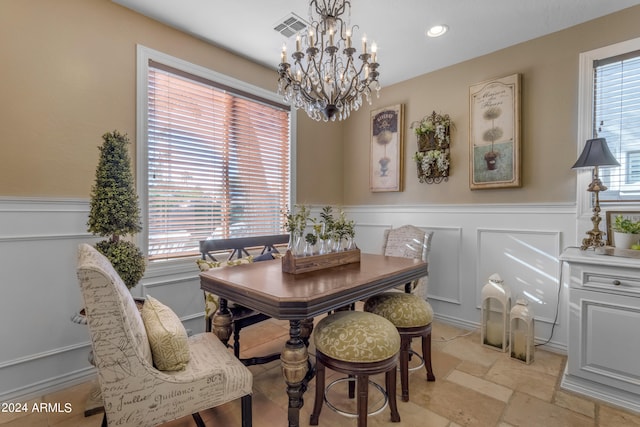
(324, 78)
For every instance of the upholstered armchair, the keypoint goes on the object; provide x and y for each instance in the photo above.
(134, 392)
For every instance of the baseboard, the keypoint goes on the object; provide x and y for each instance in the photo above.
(51, 385)
(552, 346)
(601, 392)
(457, 322)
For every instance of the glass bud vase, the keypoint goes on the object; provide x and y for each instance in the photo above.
(309, 249)
(351, 244)
(294, 243)
(324, 246)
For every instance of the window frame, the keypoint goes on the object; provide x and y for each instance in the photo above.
(585, 129)
(144, 55)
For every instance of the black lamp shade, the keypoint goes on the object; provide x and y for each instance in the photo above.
(596, 153)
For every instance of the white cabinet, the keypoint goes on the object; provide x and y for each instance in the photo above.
(604, 327)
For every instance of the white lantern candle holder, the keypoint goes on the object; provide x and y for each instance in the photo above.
(496, 305)
(522, 332)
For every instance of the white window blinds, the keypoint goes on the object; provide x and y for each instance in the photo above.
(617, 119)
(218, 163)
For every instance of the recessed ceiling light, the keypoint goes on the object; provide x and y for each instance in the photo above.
(437, 30)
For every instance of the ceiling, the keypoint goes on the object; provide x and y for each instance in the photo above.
(476, 27)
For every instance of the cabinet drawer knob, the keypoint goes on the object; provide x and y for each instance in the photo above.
(616, 282)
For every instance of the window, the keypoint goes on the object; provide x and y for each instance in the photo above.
(216, 157)
(616, 117)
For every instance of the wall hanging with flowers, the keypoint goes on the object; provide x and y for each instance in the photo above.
(432, 158)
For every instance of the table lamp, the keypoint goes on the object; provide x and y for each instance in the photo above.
(596, 153)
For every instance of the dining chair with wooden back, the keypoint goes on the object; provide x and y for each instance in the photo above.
(217, 253)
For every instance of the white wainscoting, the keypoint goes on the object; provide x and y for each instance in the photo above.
(44, 351)
(41, 347)
(470, 242)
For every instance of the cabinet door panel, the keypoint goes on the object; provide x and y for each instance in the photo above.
(609, 338)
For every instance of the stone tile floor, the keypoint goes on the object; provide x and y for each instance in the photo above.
(474, 386)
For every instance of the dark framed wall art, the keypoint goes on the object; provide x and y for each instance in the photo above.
(386, 149)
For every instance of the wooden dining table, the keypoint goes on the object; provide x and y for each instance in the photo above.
(298, 298)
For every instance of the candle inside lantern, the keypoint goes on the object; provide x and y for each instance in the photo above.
(522, 336)
(494, 333)
(519, 345)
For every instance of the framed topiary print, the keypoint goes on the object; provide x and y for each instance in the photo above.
(494, 133)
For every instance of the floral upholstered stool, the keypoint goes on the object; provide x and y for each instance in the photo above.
(358, 344)
(412, 316)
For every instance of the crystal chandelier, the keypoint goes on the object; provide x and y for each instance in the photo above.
(325, 78)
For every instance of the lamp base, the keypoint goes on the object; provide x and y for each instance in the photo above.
(594, 239)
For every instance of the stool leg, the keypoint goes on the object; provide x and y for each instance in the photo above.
(363, 399)
(390, 386)
(405, 346)
(319, 399)
(352, 388)
(426, 355)
(236, 341)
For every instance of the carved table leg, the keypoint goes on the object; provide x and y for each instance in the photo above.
(294, 360)
(306, 328)
(222, 322)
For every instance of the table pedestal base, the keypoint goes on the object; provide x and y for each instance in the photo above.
(295, 366)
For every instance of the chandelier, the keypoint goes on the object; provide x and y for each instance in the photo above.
(325, 79)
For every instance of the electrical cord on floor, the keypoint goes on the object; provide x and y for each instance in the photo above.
(555, 319)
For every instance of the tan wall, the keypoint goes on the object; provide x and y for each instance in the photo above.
(68, 76)
(549, 68)
(319, 162)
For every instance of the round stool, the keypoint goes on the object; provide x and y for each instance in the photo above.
(412, 316)
(357, 344)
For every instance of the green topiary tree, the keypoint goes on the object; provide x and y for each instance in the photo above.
(114, 209)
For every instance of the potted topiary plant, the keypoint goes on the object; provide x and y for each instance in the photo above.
(114, 210)
(626, 232)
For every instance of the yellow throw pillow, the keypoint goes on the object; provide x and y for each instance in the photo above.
(167, 336)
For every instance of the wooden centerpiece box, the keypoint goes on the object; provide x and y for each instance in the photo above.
(304, 264)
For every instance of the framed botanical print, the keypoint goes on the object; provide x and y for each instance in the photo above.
(386, 149)
(494, 133)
